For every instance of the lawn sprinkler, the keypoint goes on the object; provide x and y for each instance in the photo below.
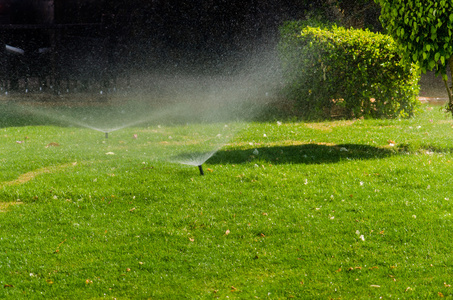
(106, 135)
(201, 169)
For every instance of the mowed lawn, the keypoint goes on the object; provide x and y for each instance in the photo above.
(358, 209)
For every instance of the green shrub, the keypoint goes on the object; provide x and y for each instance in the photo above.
(346, 72)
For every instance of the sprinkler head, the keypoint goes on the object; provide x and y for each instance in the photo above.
(106, 135)
(201, 170)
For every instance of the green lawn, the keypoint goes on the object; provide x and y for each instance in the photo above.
(322, 210)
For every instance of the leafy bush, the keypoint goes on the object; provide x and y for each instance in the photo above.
(424, 31)
(332, 71)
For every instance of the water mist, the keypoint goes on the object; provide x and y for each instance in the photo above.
(196, 114)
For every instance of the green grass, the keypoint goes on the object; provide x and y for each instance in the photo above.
(323, 210)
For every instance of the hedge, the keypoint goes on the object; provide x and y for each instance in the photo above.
(349, 73)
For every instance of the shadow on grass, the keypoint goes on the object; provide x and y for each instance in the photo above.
(301, 154)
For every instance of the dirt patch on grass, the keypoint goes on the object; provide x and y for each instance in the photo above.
(182, 143)
(5, 205)
(279, 143)
(445, 122)
(328, 126)
(32, 174)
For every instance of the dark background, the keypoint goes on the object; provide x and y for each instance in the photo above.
(96, 38)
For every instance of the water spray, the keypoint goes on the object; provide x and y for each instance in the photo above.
(201, 169)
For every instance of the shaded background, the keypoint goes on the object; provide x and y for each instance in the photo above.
(139, 34)
(99, 40)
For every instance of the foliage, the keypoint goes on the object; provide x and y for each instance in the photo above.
(359, 14)
(424, 31)
(356, 70)
(347, 13)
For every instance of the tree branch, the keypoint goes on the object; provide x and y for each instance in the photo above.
(449, 88)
